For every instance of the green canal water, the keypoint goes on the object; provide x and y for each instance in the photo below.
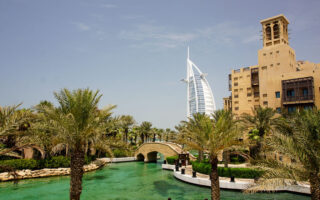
(125, 181)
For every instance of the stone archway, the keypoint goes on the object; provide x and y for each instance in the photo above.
(150, 150)
(140, 157)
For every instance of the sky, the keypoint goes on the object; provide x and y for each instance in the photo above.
(134, 51)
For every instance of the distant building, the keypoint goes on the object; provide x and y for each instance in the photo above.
(278, 81)
(199, 95)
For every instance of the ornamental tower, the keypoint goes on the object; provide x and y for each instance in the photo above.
(199, 95)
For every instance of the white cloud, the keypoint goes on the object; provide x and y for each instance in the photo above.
(82, 26)
(228, 33)
(157, 36)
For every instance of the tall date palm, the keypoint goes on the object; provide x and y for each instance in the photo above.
(212, 136)
(297, 138)
(76, 121)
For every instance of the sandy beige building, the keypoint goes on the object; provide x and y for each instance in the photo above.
(278, 81)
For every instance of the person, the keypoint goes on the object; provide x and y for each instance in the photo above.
(169, 198)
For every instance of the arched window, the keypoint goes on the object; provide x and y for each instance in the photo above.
(268, 33)
(276, 33)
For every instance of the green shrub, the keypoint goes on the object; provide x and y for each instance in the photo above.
(19, 164)
(205, 168)
(89, 159)
(236, 159)
(119, 153)
(53, 162)
(171, 160)
(56, 162)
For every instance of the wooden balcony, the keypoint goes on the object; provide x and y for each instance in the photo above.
(298, 91)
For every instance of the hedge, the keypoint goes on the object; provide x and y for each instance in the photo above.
(18, 164)
(171, 160)
(205, 168)
(53, 162)
(118, 153)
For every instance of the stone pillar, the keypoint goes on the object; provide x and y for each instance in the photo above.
(28, 153)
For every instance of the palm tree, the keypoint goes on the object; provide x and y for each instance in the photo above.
(167, 134)
(198, 128)
(14, 130)
(145, 129)
(126, 122)
(77, 121)
(259, 124)
(154, 132)
(297, 138)
(160, 132)
(212, 136)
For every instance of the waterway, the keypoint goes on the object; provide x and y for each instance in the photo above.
(125, 181)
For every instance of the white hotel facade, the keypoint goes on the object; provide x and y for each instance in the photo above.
(199, 94)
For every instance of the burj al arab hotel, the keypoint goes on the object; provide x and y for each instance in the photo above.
(199, 93)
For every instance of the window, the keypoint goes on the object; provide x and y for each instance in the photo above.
(291, 109)
(264, 67)
(235, 84)
(241, 89)
(308, 107)
(236, 96)
(249, 100)
(236, 108)
(235, 78)
(236, 102)
(265, 103)
(249, 94)
(290, 93)
(305, 92)
(277, 94)
(278, 63)
(264, 54)
(264, 95)
(235, 90)
(278, 110)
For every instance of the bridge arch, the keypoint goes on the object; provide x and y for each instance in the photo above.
(148, 151)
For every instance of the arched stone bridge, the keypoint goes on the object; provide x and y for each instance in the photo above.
(147, 152)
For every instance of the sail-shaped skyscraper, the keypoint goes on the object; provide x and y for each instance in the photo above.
(199, 95)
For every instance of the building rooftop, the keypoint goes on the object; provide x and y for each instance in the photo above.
(275, 17)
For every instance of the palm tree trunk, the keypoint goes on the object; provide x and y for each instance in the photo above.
(200, 157)
(315, 186)
(226, 158)
(77, 162)
(214, 177)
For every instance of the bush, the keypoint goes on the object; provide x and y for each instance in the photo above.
(89, 159)
(205, 168)
(171, 160)
(19, 164)
(118, 153)
(56, 162)
(236, 159)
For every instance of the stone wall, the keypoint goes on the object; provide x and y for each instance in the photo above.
(46, 172)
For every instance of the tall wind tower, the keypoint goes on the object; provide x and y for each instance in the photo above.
(199, 94)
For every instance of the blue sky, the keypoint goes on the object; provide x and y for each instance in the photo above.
(134, 51)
